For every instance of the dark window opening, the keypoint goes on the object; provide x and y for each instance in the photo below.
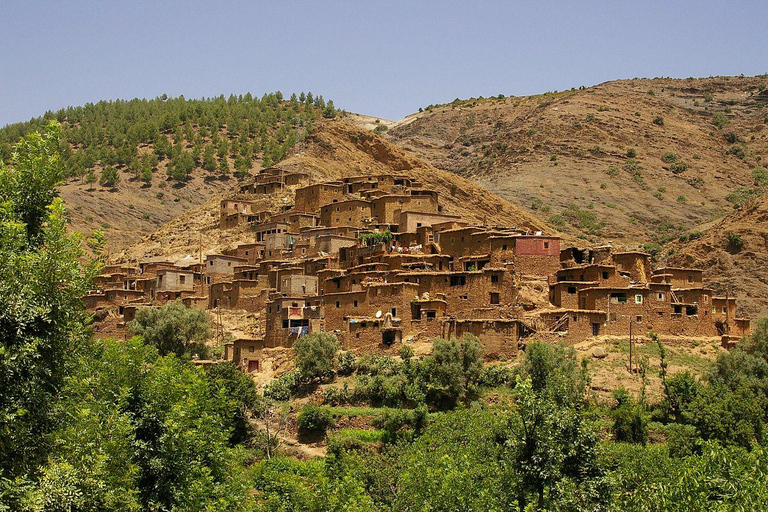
(431, 314)
(571, 290)
(458, 280)
(495, 298)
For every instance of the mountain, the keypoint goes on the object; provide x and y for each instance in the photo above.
(134, 165)
(334, 149)
(633, 161)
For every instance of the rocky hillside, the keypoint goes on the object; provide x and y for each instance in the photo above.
(734, 253)
(334, 149)
(634, 161)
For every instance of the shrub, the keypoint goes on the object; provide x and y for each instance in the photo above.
(314, 420)
(678, 167)
(283, 387)
(630, 424)
(682, 199)
(496, 375)
(173, 328)
(760, 175)
(631, 153)
(347, 363)
(669, 157)
(735, 241)
(731, 137)
(720, 120)
(658, 120)
(737, 151)
(682, 440)
(315, 354)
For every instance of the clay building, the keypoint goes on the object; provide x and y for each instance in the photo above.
(352, 212)
(309, 199)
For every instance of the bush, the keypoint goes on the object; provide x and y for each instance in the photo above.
(669, 157)
(720, 120)
(283, 387)
(630, 424)
(347, 363)
(631, 153)
(678, 167)
(314, 420)
(315, 354)
(658, 120)
(682, 440)
(173, 328)
(496, 375)
(735, 241)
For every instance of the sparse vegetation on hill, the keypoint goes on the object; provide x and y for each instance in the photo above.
(697, 137)
(145, 147)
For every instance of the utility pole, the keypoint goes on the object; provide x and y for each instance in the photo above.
(630, 346)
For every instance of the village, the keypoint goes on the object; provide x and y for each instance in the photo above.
(376, 261)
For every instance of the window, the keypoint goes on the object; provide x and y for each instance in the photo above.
(605, 274)
(725, 309)
(660, 296)
(571, 290)
(251, 348)
(494, 298)
(612, 317)
(504, 247)
(182, 279)
(338, 304)
(285, 324)
(458, 280)
(690, 278)
(394, 312)
(714, 309)
(638, 299)
(431, 314)
(494, 278)
(354, 304)
(546, 245)
(639, 319)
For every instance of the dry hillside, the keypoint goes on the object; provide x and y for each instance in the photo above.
(333, 150)
(568, 156)
(734, 254)
(133, 209)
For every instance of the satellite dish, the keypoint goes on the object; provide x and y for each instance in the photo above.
(378, 314)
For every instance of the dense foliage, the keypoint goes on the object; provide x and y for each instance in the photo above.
(173, 328)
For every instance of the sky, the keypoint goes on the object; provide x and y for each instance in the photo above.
(385, 59)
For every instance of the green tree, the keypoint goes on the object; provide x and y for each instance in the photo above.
(109, 177)
(43, 277)
(315, 354)
(173, 328)
(453, 370)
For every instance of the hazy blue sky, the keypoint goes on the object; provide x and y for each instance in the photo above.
(380, 58)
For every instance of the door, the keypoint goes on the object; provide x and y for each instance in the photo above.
(253, 365)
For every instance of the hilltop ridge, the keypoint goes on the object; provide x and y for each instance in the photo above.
(638, 161)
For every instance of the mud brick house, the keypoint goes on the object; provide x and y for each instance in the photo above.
(306, 267)
(309, 199)
(351, 212)
(246, 353)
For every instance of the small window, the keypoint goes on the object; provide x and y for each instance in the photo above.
(251, 348)
(639, 318)
(660, 296)
(690, 278)
(638, 299)
(394, 312)
(182, 279)
(338, 304)
(494, 278)
(571, 290)
(605, 274)
(431, 314)
(504, 247)
(660, 313)
(725, 309)
(546, 245)
(354, 304)
(494, 298)
(285, 324)
(612, 317)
